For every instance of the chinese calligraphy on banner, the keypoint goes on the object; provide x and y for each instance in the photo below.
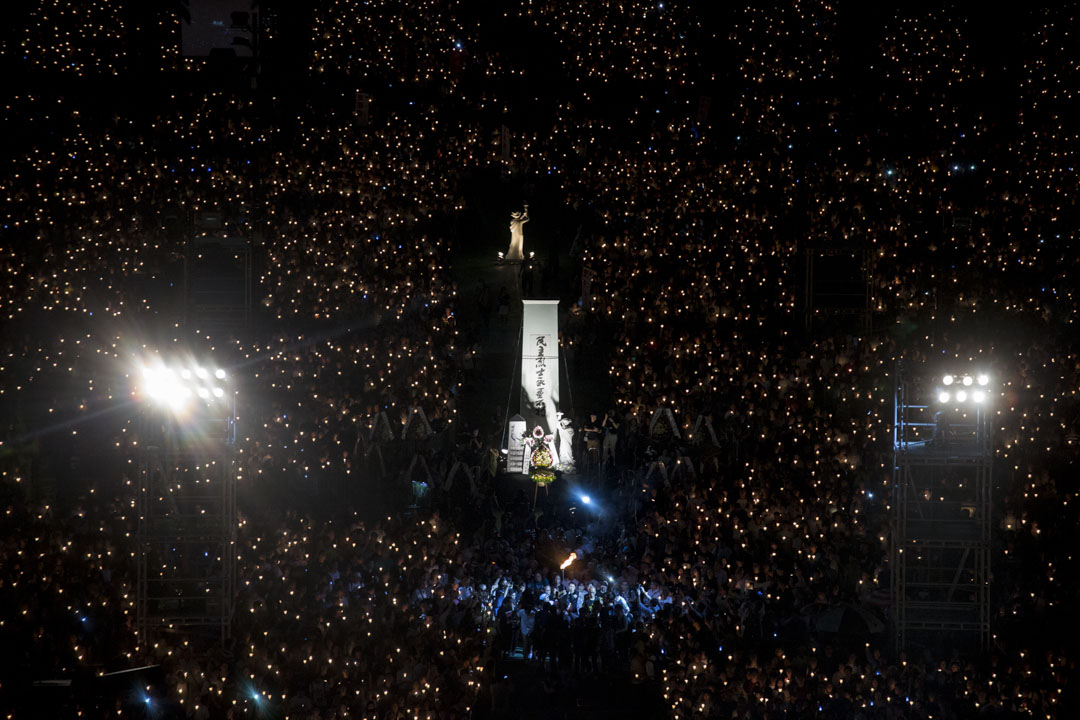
(540, 364)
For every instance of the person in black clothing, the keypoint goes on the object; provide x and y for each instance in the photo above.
(592, 433)
(610, 428)
(476, 447)
(941, 430)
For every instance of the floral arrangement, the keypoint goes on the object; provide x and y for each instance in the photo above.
(541, 472)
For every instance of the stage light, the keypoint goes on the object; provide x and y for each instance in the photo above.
(967, 380)
(151, 383)
(984, 380)
(961, 396)
(948, 379)
(943, 397)
(164, 386)
(174, 387)
(586, 500)
(978, 396)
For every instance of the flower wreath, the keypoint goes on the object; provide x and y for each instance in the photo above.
(538, 436)
(541, 472)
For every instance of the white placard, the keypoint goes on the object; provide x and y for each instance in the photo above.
(515, 457)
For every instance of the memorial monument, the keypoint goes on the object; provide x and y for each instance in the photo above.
(539, 401)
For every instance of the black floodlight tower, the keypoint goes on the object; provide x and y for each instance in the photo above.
(186, 498)
(941, 504)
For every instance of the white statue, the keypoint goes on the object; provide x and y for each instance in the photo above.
(565, 444)
(517, 234)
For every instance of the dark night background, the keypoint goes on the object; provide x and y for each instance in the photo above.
(753, 215)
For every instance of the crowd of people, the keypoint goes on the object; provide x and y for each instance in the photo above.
(698, 173)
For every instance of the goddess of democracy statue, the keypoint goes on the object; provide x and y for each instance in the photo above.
(517, 234)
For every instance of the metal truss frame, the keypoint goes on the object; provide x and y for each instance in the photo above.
(187, 523)
(941, 505)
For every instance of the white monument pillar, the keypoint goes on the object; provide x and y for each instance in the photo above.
(540, 365)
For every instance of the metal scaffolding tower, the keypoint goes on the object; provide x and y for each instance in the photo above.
(218, 278)
(186, 505)
(941, 514)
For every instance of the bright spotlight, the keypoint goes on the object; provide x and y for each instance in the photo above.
(943, 397)
(967, 380)
(178, 397)
(948, 379)
(961, 396)
(586, 500)
(162, 385)
(176, 387)
(978, 396)
(984, 379)
(152, 383)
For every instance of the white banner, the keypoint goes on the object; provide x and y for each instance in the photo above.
(540, 364)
